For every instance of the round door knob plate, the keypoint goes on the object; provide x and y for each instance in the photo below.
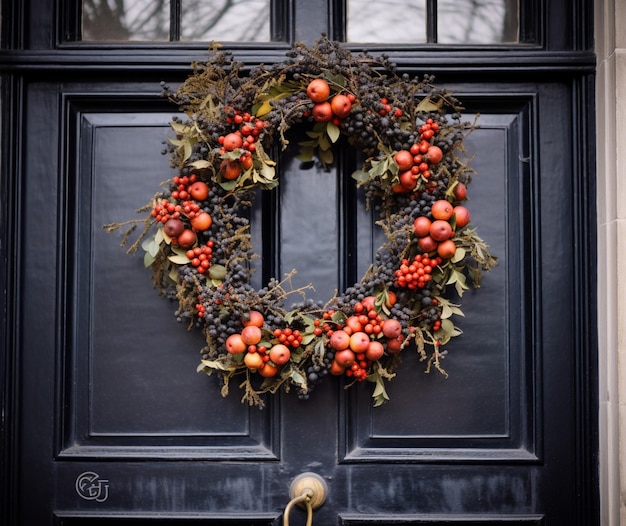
(312, 485)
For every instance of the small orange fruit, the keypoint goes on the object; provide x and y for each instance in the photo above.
(408, 179)
(232, 141)
(462, 216)
(434, 154)
(235, 344)
(345, 358)
(341, 106)
(186, 239)
(392, 328)
(375, 351)
(460, 192)
(394, 345)
(268, 370)
(253, 360)
(359, 342)
(318, 90)
(202, 222)
(251, 335)
(339, 340)
(442, 209)
(199, 191)
(322, 112)
(230, 169)
(446, 249)
(421, 226)
(441, 230)
(426, 244)
(280, 354)
(254, 317)
(403, 159)
(336, 369)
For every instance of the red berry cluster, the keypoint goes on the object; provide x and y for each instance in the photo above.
(358, 370)
(415, 164)
(362, 339)
(200, 257)
(191, 208)
(387, 109)
(182, 183)
(200, 308)
(428, 129)
(261, 350)
(324, 326)
(165, 210)
(416, 273)
(288, 336)
(246, 136)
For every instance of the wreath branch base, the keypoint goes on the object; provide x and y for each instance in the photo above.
(196, 236)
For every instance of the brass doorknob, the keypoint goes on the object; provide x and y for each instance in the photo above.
(311, 485)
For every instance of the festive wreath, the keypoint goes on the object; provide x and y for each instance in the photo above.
(409, 132)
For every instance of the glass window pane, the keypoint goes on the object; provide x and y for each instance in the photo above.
(125, 20)
(226, 20)
(477, 21)
(386, 21)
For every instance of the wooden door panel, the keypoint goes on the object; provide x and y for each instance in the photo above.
(131, 389)
(430, 417)
(484, 520)
(137, 519)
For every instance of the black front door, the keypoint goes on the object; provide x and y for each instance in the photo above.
(105, 419)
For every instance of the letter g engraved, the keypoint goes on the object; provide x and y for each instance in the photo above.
(90, 486)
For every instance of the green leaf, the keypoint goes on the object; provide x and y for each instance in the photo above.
(379, 389)
(459, 255)
(179, 259)
(426, 105)
(338, 80)
(217, 272)
(186, 150)
(326, 156)
(264, 108)
(215, 364)
(324, 143)
(267, 172)
(305, 155)
(148, 259)
(200, 164)
(448, 327)
(460, 284)
(319, 352)
(166, 238)
(151, 247)
(338, 317)
(333, 132)
(208, 101)
(360, 176)
(381, 167)
(228, 185)
(179, 127)
(297, 378)
(379, 394)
